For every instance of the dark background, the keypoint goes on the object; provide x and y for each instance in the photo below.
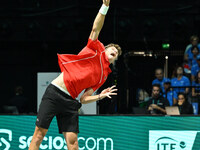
(33, 32)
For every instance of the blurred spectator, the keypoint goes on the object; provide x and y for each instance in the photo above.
(196, 93)
(195, 52)
(19, 100)
(157, 103)
(159, 78)
(180, 81)
(192, 60)
(195, 68)
(169, 94)
(142, 97)
(184, 106)
(196, 85)
(194, 41)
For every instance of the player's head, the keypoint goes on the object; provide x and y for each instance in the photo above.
(113, 51)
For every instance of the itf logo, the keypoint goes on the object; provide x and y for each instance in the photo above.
(173, 140)
(5, 139)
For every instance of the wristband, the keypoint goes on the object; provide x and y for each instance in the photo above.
(104, 9)
(99, 97)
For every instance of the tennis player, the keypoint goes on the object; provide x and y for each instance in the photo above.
(86, 71)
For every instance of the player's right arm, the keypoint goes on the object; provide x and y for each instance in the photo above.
(99, 20)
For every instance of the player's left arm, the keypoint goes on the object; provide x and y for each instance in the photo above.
(87, 96)
(99, 21)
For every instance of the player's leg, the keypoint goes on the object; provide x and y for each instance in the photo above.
(68, 119)
(40, 131)
(68, 126)
(37, 138)
(71, 140)
(47, 111)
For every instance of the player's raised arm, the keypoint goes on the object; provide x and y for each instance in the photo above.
(99, 20)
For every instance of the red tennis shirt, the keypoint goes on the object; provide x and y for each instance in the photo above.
(88, 69)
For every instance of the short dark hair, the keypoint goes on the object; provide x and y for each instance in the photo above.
(19, 90)
(116, 46)
(156, 85)
(193, 37)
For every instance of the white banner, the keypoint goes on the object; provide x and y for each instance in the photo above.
(171, 140)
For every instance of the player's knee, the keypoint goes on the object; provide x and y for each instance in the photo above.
(38, 136)
(73, 145)
(73, 142)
